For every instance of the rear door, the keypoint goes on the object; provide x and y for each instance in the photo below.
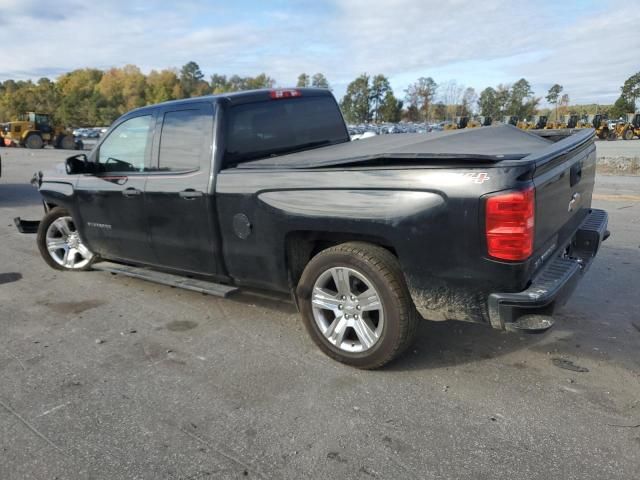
(110, 202)
(177, 195)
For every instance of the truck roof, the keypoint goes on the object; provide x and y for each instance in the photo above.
(237, 98)
(489, 144)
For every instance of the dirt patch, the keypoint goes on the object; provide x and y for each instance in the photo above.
(72, 308)
(181, 325)
(618, 165)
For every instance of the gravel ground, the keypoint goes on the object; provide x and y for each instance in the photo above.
(103, 376)
(619, 158)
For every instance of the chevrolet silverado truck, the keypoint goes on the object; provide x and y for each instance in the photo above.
(264, 189)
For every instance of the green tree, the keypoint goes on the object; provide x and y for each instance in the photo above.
(236, 83)
(520, 100)
(631, 90)
(391, 108)
(192, 80)
(303, 80)
(621, 107)
(412, 113)
(377, 93)
(219, 83)
(122, 89)
(355, 103)
(469, 100)
(553, 96)
(259, 81)
(503, 99)
(421, 94)
(81, 100)
(319, 81)
(488, 103)
(563, 104)
(161, 86)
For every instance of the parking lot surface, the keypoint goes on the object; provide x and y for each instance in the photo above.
(103, 376)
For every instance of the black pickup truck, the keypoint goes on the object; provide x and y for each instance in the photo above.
(264, 189)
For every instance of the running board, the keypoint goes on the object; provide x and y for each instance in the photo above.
(26, 226)
(202, 286)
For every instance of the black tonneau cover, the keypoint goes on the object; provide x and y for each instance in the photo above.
(488, 144)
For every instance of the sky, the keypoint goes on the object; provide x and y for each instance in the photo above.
(589, 47)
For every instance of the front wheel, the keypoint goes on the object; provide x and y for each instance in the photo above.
(60, 244)
(356, 306)
(34, 141)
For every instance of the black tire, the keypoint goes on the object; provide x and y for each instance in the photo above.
(383, 271)
(41, 240)
(67, 142)
(612, 136)
(34, 141)
(628, 134)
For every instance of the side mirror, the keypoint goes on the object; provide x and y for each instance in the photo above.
(77, 164)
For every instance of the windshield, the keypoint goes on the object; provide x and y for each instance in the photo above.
(275, 127)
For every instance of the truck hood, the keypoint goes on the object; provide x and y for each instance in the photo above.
(487, 144)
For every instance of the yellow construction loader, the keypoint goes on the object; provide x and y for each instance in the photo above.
(510, 120)
(629, 128)
(458, 124)
(35, 130)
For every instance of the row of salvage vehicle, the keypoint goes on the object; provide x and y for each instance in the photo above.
(606, 129)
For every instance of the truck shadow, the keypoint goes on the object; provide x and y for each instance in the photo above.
(18, 195)
(452, 343)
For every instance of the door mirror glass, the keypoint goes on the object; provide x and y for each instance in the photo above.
(77, 164)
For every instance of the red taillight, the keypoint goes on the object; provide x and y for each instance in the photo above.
(509, 224)
(284, 93)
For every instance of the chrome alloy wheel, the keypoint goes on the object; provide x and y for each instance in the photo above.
(347, 309)
(64, 245)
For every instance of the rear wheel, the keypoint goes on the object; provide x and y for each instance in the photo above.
(34, 140)
(356, 306)
(60, 244)
(628, 134)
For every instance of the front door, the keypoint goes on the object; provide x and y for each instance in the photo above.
(111, 201)
(178, 199)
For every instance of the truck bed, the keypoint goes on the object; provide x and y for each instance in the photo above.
(486, 144)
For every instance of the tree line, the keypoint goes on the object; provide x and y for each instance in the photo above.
(371, 99)
(89, 97)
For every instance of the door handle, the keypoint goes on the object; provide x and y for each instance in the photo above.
(190, 194)
(131, 192)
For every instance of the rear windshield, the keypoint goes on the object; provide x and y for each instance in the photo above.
(276, 127)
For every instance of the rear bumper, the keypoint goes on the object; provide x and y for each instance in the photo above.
(553, 285)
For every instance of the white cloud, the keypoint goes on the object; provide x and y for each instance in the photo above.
(591, 52)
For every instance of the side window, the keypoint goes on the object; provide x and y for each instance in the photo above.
(183, 140)
(125, 149)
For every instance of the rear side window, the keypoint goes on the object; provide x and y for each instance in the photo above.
(183, 140)
(276, 127)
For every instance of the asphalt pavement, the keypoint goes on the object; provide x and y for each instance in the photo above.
(107, 377)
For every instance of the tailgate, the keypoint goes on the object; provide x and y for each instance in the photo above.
(564, 179)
